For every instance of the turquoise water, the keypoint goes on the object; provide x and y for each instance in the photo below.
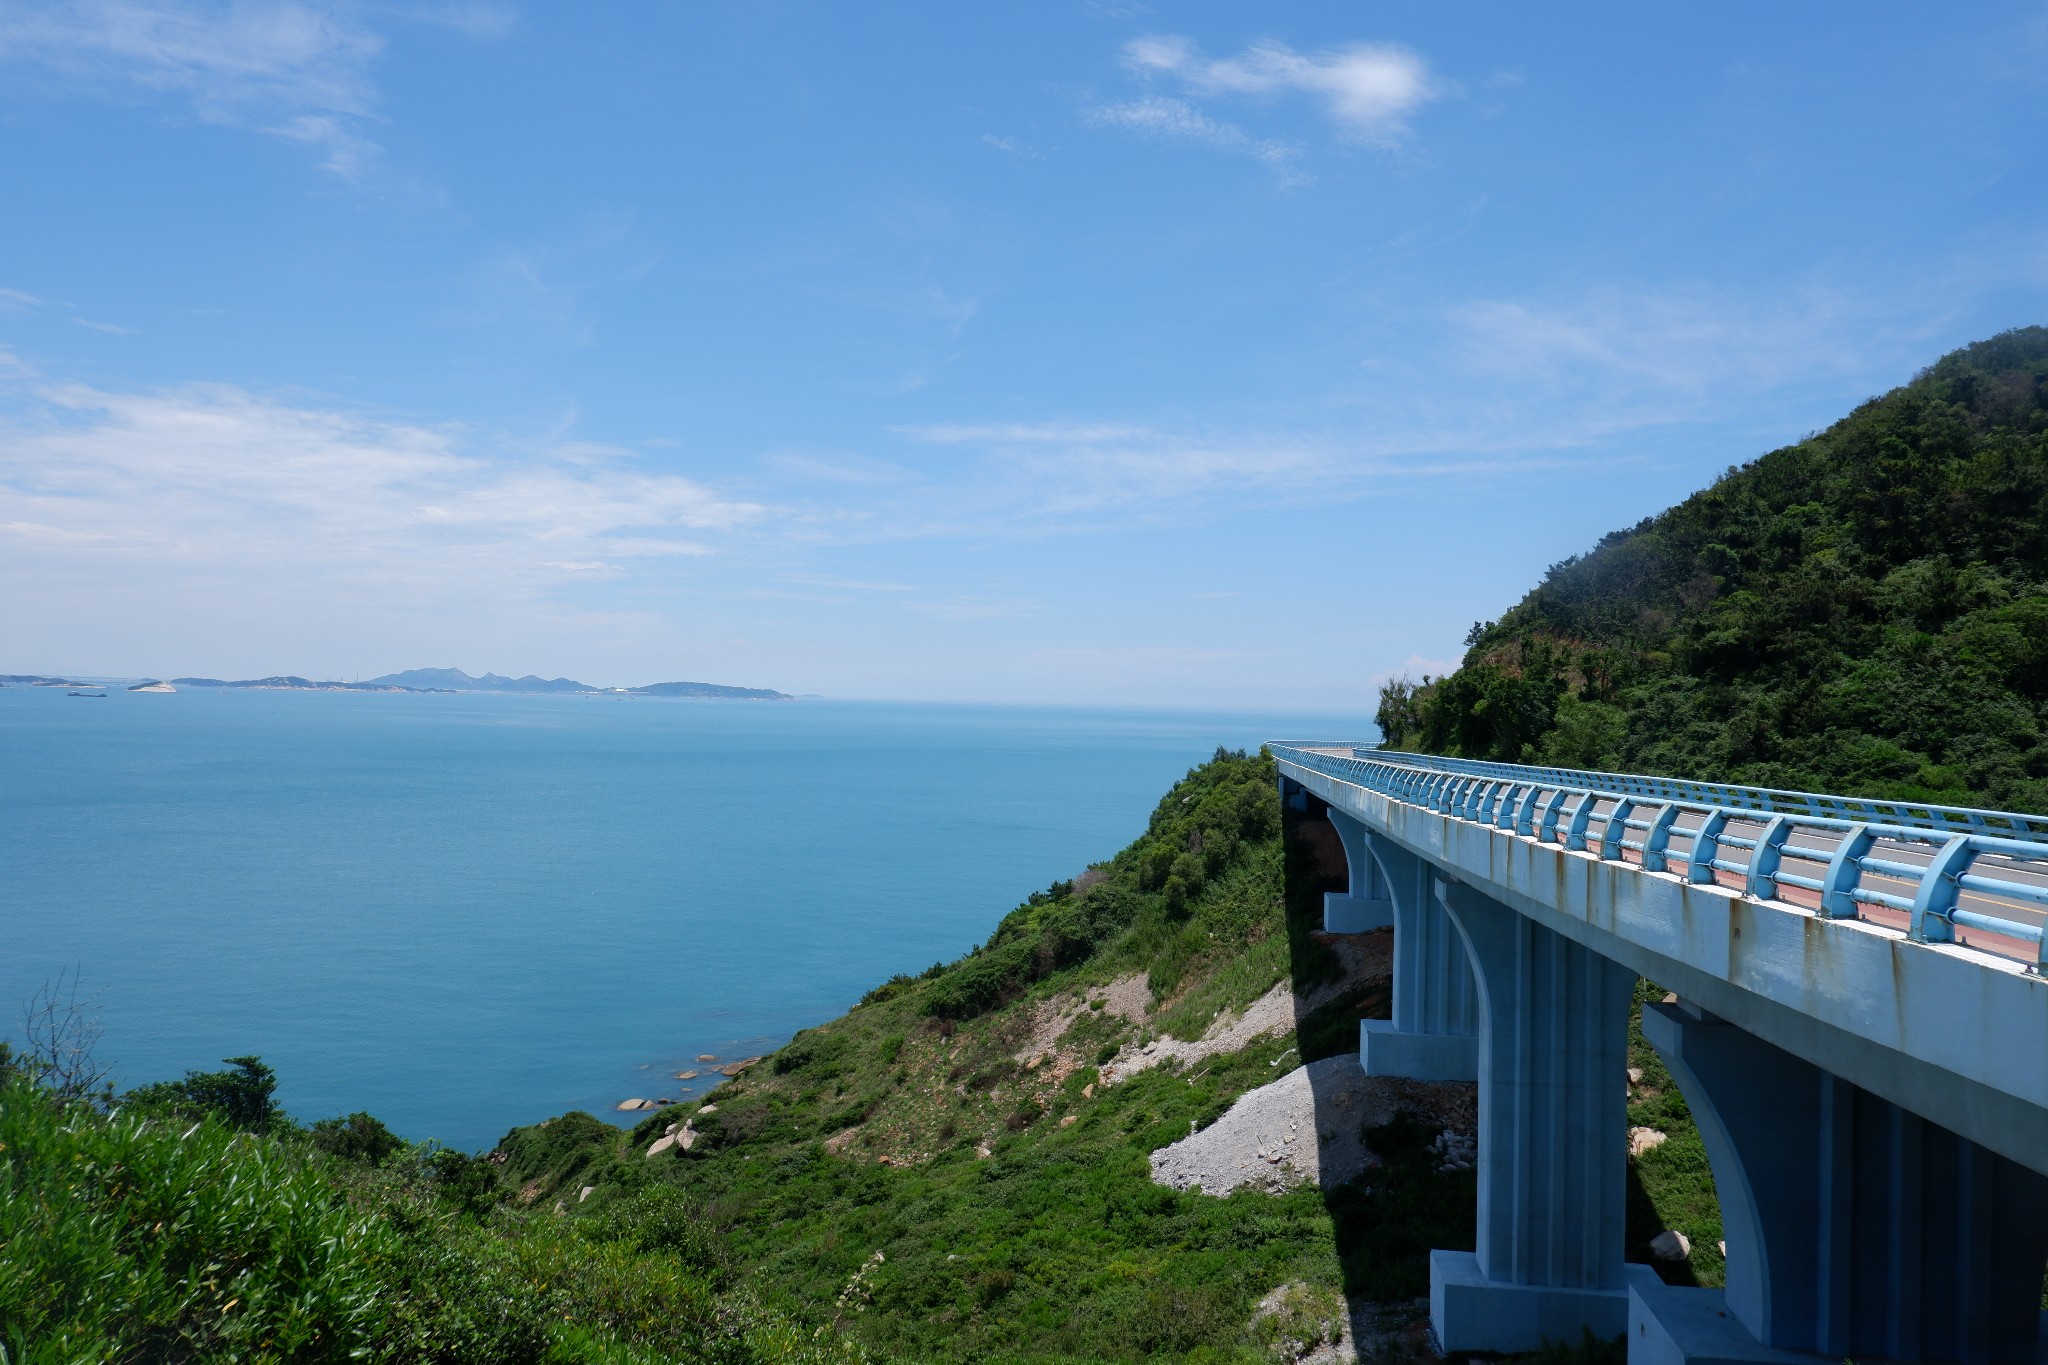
(466, 912)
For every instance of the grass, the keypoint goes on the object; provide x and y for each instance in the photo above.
(143, 1236)
(1671, 1185)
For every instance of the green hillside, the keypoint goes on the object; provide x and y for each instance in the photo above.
(1864, 612)
(958, 1169)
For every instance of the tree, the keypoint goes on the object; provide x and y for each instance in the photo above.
(61, 1032)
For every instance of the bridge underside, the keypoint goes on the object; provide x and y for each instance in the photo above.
(1877, 1204)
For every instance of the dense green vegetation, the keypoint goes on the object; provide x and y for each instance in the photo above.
(194, 1222)
(1863, 612)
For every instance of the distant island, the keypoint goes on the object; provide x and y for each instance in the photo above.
(293, 683)
(443, 680)
(455, 680)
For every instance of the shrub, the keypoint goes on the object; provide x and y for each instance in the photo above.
(241, 1097)
(140, 1235)
(359, 1138)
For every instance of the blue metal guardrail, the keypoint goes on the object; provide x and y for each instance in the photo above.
(1940, 868)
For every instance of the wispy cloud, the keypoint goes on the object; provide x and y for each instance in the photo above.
(546, 284)
(845, 584)
(1651, 354)
(1059, 477)
(217, 479)
(978, 609)
(300, 71)
(16, 301)
(1368, 91)
(111, 329)
(1027, 433)
(1164, 117)
(1011, 146)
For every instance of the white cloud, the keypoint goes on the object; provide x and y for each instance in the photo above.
(294, 69)
(1367, 89)
(111, 329)
(1161, 116)
(216, 479)
(15, 301)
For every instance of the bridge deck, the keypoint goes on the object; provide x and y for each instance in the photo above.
(1989, 894)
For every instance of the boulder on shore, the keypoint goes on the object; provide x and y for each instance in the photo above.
(627, 1106)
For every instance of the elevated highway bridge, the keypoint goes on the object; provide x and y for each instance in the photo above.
(1860, 1029)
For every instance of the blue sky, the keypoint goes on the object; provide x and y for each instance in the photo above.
(1175, 354)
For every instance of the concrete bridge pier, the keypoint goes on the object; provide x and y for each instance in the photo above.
(1434, 1034)
(1553, 1060)
(1365, 905)
(1855, 1228)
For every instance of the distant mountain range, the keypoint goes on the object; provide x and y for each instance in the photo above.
(455, 680)
(445, 680)
(291, 682)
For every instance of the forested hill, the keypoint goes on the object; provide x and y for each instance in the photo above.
(1864, 612)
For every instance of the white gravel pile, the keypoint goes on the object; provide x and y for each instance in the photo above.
(1303, 1127)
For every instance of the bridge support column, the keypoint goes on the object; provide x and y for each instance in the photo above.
(1434, 1034)
(1365, 905)
(1855, 1228)
(1553, 1058)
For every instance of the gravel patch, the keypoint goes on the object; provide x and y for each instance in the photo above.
(1272, 1012)
(1127, 997)
(1303, 1127)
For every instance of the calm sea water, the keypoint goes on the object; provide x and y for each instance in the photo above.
(463, 913)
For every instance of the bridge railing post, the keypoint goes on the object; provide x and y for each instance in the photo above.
(1658, 840)
(1845, 870)
(1706, 846)
(1940, 888)
(1614, 836)
(1582, 817)
(1766, 856)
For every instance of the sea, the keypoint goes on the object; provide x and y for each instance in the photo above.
(467, 912)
